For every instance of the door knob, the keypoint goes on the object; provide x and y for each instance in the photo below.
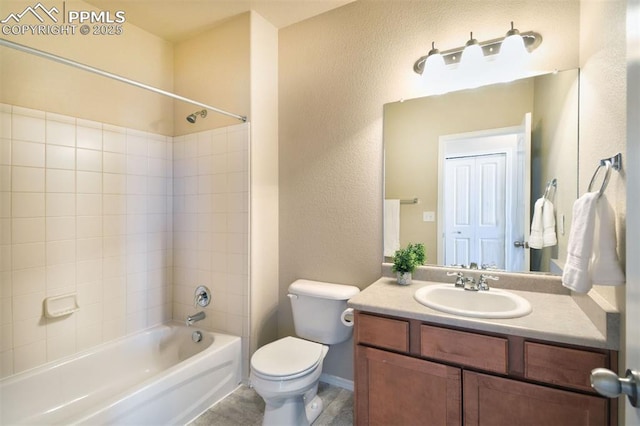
(523, 244)
(607, 383)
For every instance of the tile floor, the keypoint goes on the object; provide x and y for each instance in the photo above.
(244, 407)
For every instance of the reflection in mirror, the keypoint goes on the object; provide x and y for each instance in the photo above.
(477, 161)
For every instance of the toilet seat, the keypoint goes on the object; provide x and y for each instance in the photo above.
(287, 358)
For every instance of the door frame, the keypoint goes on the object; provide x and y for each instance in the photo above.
(631, 347)
(457, 145)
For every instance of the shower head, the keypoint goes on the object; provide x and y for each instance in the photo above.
(191, 118)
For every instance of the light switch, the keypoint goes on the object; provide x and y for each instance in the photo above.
(428, 216)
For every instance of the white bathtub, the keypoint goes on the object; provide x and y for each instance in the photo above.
(159, 376)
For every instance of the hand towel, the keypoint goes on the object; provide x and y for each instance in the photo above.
(605, 265)
(543, 225)
(391, 223)
(548, 224)
(535, 235)
(576, 270)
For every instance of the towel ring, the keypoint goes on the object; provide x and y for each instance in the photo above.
(605, 182)
(551, 185)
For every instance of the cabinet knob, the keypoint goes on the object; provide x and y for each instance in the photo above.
(607, 383)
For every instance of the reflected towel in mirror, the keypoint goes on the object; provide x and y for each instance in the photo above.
(391, 227)
(543, 225)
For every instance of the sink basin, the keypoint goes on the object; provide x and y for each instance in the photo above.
(493, 303)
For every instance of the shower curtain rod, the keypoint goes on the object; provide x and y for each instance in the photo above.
(98, 71)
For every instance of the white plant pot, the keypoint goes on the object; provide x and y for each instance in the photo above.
(404, 278)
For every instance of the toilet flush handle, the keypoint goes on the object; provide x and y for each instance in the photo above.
(292, 296)
(347, 317)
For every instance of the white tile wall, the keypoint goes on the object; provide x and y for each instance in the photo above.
(211, 231)
(85, 207)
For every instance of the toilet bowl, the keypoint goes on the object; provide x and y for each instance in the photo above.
(286, 373)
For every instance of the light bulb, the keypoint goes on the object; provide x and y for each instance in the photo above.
(472, 64)
(434, 69)
(513, 57)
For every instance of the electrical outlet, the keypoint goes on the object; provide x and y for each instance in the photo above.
(428, 216)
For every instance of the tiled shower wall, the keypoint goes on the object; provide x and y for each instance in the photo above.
(85, 208)
(211, 227)
(96, 210)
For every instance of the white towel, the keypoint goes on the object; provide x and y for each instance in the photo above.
(576, 271)
(605, 266)
(543, 225)
(391, 227)
(548, 224)
(535, 236)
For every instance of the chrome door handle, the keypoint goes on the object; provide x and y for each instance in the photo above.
(607, 383)
(523, 244)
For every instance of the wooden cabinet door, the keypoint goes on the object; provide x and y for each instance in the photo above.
(393, 389)
(495, 401)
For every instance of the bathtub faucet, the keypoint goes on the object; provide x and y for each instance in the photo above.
(195, 317)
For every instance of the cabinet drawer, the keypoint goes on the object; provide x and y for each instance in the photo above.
(561, 366)
(382, 332)
(467, 349)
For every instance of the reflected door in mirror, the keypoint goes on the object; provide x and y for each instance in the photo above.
(475, 210)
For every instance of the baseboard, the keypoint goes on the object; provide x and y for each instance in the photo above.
(337, 381)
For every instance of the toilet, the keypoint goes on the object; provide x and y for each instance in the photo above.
(285, 373)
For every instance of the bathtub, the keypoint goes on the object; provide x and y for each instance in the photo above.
(158, 376)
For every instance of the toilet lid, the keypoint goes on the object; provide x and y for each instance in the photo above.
(286, 357)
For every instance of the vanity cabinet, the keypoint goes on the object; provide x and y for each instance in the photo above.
(409, 372)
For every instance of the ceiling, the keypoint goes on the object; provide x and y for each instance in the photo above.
(177, 20)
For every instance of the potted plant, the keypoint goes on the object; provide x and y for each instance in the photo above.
(406, 260)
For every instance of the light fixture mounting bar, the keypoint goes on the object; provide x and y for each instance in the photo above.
(491, 47)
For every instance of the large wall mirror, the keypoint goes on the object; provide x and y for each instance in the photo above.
(464, 173)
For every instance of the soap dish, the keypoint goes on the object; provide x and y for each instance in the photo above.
(59, 306)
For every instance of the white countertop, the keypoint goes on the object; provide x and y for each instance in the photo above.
(555, 317)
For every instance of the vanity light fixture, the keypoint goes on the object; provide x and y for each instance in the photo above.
(488, 49)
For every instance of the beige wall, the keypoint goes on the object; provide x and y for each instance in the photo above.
(214, 68)
(41, 84)
(603, 125)
(603, 108)
(336, 72)
(264, 183)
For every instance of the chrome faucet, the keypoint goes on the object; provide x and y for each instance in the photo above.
(470, 284)
(195, 317)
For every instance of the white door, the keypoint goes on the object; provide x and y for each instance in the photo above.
(520, 260)
(475, 210)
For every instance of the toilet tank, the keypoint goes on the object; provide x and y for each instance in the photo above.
(317, 307)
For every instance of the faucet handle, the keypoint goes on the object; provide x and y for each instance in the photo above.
(460, 279)
(482, 281)
(202, 297)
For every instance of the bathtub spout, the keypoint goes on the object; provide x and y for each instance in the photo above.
(195, 317)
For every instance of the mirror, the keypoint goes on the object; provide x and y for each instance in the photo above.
(460, 163)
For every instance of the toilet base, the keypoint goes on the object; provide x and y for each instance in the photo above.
(293, 411)
(314, 408)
